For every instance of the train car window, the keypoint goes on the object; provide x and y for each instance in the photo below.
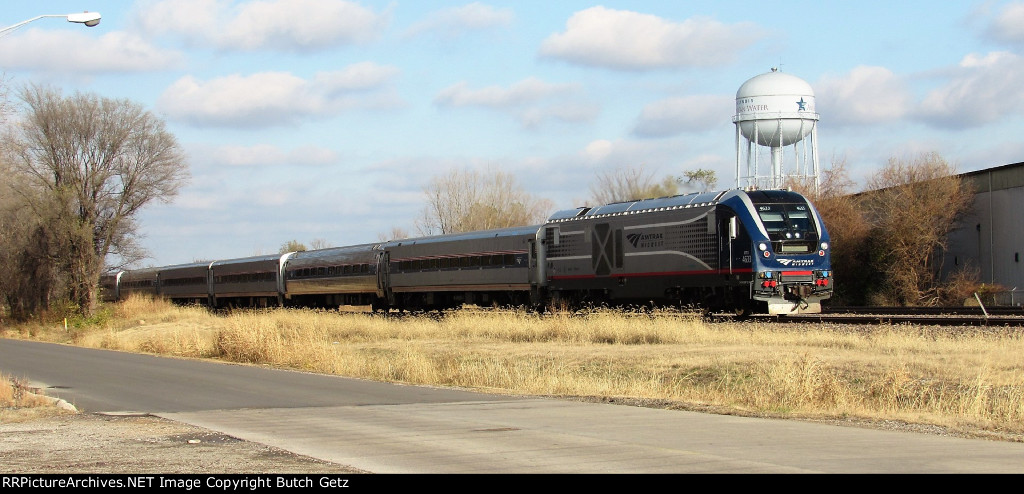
(464, 262)
(475, 261)
(509, 260)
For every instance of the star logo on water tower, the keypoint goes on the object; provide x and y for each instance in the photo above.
(801, 105)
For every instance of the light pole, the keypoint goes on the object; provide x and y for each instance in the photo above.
(90, 19)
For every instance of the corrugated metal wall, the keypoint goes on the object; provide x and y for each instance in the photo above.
(991, 237)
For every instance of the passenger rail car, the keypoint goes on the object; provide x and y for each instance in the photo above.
(249, 282)
(485, 268)
(139, 281)
(760, 251)
(186, 283)
(333, 277)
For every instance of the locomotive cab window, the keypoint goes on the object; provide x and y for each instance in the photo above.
(789, 226)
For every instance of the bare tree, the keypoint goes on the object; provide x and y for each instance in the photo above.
(914, 206)
(630, 184)
(397, 233)
(469, 200)
(319, 243)
(93, 163)
(28, 278)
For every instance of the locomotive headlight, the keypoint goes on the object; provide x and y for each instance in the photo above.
(763, 246)
(824, 246)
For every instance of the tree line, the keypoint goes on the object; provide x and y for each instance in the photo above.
(889, 242)
(75, 170)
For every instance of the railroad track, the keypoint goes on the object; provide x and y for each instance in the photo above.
(935, 316)
(928, 316)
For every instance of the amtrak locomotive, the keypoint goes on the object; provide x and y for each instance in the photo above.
(758, 251)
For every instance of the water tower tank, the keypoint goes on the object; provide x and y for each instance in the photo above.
(775, 109)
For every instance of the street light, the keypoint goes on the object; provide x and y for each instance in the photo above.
(90, 19)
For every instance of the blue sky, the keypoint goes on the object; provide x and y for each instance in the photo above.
(324, 119)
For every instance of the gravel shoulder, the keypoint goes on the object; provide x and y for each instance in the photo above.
(63, 442)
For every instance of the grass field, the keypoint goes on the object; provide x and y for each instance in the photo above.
(965, 379)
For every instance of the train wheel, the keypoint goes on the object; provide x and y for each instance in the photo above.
(742, 312)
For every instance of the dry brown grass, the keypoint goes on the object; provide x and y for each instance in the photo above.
(970, 379)
(19, 403)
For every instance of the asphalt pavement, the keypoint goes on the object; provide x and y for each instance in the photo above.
(391, 428)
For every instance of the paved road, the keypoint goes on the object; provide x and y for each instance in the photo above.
(391, 428)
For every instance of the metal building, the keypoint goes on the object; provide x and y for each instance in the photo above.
(991, 237)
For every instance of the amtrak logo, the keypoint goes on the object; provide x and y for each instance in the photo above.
(801, 105)
(796, 262)
(646, 240)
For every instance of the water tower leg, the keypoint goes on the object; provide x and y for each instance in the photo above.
(778, 177)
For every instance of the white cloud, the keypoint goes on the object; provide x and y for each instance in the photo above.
(529, 90)
(532, 101)
(597, 150)
(1006, 26)
(312, 155)
(277, 98)
(285, 25)
(454, 21)
(567, 112)
(984, 89)
(865, 95)
(269, 155)
(258, 155)
(357, 77)
(673, 116)
(621, 39)
(81, 52)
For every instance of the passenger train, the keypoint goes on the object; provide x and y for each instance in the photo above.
(756, 251)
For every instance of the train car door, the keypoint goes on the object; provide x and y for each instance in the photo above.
(383, 280)
(734, 243)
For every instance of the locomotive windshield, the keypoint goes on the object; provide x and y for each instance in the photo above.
(789, 225)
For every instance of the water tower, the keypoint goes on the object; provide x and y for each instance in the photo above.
(775, 110)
